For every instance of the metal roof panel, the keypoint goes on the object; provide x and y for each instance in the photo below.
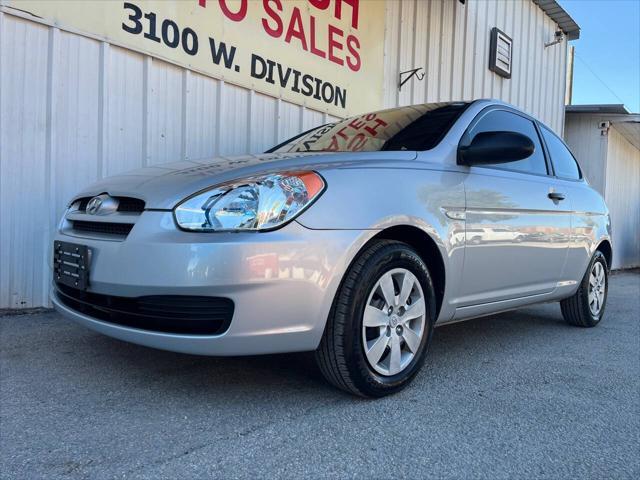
(567, 24)
(598, 108)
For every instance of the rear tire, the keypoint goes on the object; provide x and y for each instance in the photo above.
(345, 353)
(586, 307)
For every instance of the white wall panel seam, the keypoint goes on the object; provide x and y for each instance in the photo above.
(549, 111)
(526, 78)
(219, 119)
(550, 71)
(519, 61)
(184, 126)
(552, 110)
(278, 117)
(539, 112)
(385, 53)
(300, 118)
(544, 72)
(407, 48)
(50, 148)
(427, 36)
(146, 95)
(531, 72)
(469, 54)
(496, 80)
(492, 77)
(103, 92)
(440, 65)
(433, 58)
(395, 81)
(513, 33)
(482, 45)
(460, 50)
(5, 274)
(560, 105)
(413, 48)
(250, 108)
(449, 46)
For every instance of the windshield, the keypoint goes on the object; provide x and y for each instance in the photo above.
(418, 127)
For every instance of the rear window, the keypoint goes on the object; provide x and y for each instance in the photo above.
(419, 127)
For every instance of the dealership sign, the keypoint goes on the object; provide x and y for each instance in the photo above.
(325, 54)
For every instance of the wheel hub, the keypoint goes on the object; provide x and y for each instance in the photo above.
(394, 322)
(597, 288)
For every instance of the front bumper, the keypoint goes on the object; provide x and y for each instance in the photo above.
(282, 282)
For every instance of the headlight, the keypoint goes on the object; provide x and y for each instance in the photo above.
(258, 203)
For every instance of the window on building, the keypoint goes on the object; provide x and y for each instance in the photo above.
(504, 121)
(564, 164)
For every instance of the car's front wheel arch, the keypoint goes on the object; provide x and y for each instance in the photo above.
(605, 248)
(427, 249)
(426, 246)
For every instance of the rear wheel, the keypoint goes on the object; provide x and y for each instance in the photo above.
(586, 307)
(381, 322)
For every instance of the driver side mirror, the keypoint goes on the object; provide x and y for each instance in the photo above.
(495, 147)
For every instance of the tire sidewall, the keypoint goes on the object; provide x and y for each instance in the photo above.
(365, 377)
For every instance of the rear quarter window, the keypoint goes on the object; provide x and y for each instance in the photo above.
(564, 164)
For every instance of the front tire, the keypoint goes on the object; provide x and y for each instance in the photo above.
(586, 307)
(381, 322)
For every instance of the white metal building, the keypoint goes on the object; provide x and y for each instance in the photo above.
(76, 105)
(606, 141)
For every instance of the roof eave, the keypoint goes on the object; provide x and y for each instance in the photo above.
(559, 15)
(614, 108)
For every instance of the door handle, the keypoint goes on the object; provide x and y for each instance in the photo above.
(556, 196)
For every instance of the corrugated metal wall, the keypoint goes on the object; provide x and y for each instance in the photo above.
(623, 199)
(74, 109)
(612, 166)
(451, 41)
(582, 134)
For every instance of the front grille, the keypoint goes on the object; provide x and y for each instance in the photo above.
(182, 314)
(125, 204)
(109, 228)
(130, 205)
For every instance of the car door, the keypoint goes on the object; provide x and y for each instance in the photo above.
(584, 204)
(517, 227)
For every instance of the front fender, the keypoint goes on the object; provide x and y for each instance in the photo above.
(376, 199)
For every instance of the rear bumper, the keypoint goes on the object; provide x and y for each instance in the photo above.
(282, 283)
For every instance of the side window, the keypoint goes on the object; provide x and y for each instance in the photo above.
(503, 121)
(564, 164)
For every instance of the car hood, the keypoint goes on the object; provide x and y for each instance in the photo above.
(164, 186)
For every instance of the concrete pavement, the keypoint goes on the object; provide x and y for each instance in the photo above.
(516, 395)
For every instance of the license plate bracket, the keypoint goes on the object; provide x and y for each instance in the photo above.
(71, 264)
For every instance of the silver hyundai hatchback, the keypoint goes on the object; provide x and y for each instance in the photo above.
(353, 240)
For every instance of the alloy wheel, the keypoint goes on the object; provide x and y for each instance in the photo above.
(597, 288)
(393, 323)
